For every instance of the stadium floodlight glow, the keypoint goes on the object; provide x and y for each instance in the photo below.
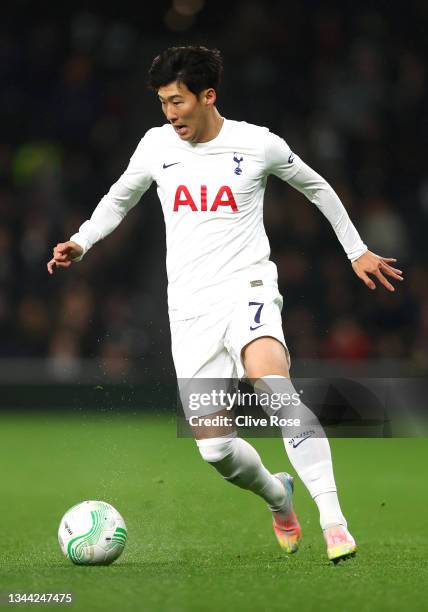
(177, 22)
(188, 7)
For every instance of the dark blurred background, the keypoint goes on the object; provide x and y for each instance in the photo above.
(344, 83)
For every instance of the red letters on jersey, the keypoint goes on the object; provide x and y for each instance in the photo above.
(183, 198)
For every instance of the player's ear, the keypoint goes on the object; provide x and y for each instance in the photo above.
(208, 96)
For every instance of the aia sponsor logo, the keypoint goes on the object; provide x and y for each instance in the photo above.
(224, 197)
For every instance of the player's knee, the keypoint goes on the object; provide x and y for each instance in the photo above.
(214, 450)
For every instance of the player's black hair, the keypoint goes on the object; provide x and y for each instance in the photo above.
(198, 68)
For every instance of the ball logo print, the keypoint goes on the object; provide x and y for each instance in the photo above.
(92, 533)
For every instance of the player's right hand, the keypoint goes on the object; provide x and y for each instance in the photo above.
(63, 255)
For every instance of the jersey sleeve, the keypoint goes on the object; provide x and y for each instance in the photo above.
(284, 164)
(122, 196)
(279, 158)
(320, 193)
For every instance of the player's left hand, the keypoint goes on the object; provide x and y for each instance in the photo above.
(369, 263)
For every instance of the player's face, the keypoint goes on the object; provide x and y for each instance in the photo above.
(186, 111)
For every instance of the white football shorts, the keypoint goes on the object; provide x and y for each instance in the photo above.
(210, 345)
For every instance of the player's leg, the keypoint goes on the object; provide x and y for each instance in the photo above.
(266, 363)
(240, 464)
(205, 365)
(257, 344)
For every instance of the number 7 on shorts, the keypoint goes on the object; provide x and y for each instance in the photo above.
(257, 315)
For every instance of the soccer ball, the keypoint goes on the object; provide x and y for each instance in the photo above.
(92, 533)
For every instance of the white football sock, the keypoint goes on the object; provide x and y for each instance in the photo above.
(239, 463)
(329, 509)
(308, 450)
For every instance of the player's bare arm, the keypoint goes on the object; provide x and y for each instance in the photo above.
(63, 255)
(370, 263)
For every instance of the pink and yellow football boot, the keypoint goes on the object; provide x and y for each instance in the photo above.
(285, 524)
(340, 543)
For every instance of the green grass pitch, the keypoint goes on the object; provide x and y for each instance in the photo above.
(195, 542)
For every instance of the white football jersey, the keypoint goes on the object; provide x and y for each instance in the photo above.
(212, 200)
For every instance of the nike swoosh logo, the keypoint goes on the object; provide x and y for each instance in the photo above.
(296, 444)
(256, 327)
(290, 158)
(169, 165)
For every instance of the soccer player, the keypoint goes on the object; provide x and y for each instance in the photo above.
(224, 304)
